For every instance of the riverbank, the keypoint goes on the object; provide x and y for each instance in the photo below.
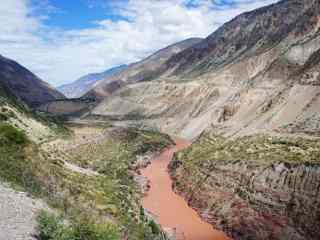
(255, 187)
(171, 210)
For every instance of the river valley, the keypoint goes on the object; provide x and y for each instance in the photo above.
(171, 210)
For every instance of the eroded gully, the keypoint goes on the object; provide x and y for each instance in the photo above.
(171, 210)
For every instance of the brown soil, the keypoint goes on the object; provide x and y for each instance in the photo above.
(170, 209)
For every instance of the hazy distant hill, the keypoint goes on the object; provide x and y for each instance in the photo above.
(84, 84)
(140, 71)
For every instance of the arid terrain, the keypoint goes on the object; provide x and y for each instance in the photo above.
(243, 105)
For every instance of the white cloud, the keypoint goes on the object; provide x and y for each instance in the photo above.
(60, 56)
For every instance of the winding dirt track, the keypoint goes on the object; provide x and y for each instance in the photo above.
(170, 209)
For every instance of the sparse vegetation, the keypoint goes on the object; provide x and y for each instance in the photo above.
(261, 148)
(116, 192)
(211, 151)
(110, 198)
(3, 117)
(14, 165)
(6, 114)
(51, 227)
(10, 135)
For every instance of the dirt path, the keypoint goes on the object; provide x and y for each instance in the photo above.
(170, 209)
(17, 214)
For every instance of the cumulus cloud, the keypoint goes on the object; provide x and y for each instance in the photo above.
(60, 56)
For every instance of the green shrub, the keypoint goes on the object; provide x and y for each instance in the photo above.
(154, 227)
(3, 117)
(17, 157)
(87, 230)
(51, 227)
(11, 135)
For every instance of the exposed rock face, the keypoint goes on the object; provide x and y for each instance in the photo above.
(259, 73)
(66, 107)
(24, 85)
(81, 86)
(262, 67)
(165, 106)
(250, 193)
(279, 203)
(140, 71)
(249, 34)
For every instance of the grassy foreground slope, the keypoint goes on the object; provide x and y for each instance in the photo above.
(87, 179)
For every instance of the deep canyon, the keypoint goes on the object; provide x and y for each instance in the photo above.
(247, 101)
(170, 209)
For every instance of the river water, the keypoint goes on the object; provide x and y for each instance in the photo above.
(170, 209)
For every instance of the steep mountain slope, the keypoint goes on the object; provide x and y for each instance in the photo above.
(247, 35)
(20, 94)
(140, 71)
(245, 77)
(250, 95)
(84, 174)
(24, 85)
(79, 87)
(253, 187)
(34, 126)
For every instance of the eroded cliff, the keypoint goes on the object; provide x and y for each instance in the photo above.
(258, 187)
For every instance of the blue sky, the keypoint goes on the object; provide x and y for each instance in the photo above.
(61, 40)
(80, 14)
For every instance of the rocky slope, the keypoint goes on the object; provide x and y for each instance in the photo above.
(20, 131)
(67, 107)
(257, 73)
(85, 174)
(258, 187)
(24, 85)
(81, 86)
(250, 34)
(140, 71)
(35, 126)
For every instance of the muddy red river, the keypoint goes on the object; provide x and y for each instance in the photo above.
(171, 210)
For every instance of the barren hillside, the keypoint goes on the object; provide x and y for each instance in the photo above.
(257, 73)
(84, 84)
(140, 71)
(24, 85)
(249, 96)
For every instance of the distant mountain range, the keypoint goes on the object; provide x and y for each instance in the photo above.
(79, 87)
(100, 85)
(140, 71)
(259, 72)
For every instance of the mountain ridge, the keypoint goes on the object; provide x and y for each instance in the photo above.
(249, 97)
(82, 85)
(242, 30)
(24, 85)
(140, 71)
(268, 69)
